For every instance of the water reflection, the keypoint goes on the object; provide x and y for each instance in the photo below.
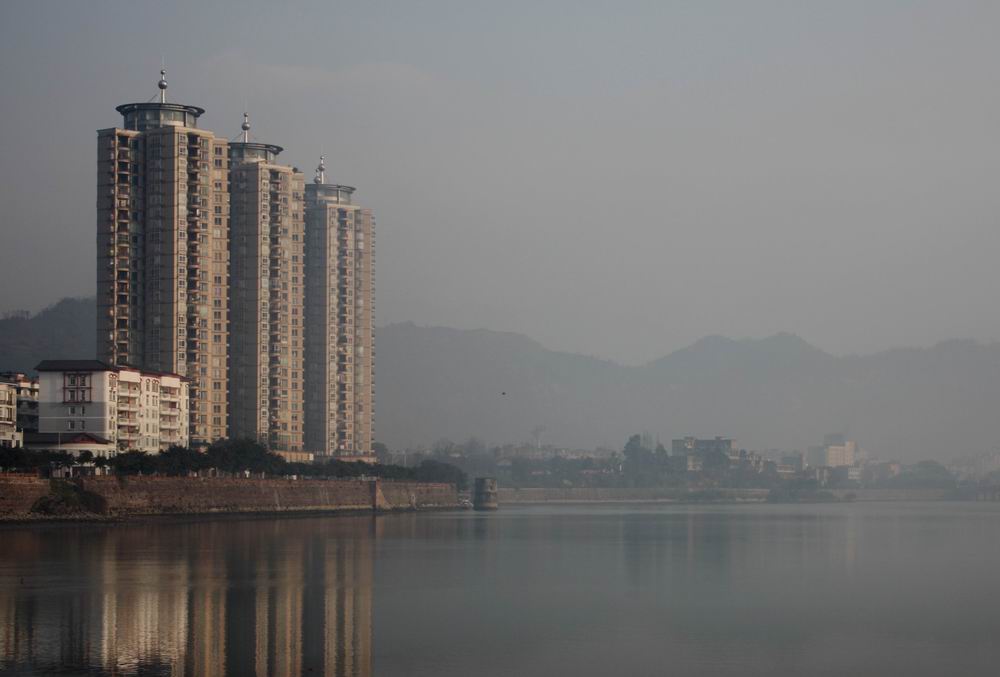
(227, 597)
(804, 590)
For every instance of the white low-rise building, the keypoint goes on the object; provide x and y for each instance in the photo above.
(10, 436)
(26, 389)
(127, 408)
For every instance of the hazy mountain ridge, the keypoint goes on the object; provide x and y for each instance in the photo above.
(778, 391)
(773, 392)
(67, 329)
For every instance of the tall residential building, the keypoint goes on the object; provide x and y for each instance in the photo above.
(339, 313)
(267, 287)
(163, 250)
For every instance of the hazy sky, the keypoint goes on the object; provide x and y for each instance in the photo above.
(611, 178)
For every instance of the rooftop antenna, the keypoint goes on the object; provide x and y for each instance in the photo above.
(246, 127)
(321, 171)
(162, 84)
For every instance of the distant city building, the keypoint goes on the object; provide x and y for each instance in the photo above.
(874, 473)
(841, 455)
(163, 252)
(692, 445)
(816, 456)
(116, 408)
(548, 451)
(267, 330)
(26, 390)
(10, 436)
(752, 459)
(836, 452)
(340, 345)
(786, 471)
(794, 461)
(975, 467)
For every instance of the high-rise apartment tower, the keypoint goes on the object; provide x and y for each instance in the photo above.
(266, 296)
(163, 252)
(339, 312)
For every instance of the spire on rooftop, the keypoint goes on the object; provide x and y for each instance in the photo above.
(162, 84)
(320, 177)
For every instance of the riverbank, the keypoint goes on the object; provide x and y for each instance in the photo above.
(685, 495)
(142, 496)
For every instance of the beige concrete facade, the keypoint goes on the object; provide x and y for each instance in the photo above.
(267, 297)
(10, 436)
(129, 408)
(163, 253)
(202, 271)
(26, 389)
(339, 316)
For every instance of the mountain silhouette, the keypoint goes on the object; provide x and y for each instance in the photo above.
(775, 392)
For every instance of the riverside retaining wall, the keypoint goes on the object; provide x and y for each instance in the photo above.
(128, 496)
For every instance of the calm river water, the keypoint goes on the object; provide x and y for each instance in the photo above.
(859, 589)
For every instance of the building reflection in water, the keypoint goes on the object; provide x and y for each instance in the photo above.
(221, 597)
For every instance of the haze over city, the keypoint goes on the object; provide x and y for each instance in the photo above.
(519, 338)
(607, 179)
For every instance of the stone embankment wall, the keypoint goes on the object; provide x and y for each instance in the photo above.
(182, 495)
(417, 495)
(18, 493)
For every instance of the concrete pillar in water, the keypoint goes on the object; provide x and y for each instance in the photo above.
(484, 496)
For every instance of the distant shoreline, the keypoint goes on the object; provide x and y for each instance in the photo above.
(703, 496)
